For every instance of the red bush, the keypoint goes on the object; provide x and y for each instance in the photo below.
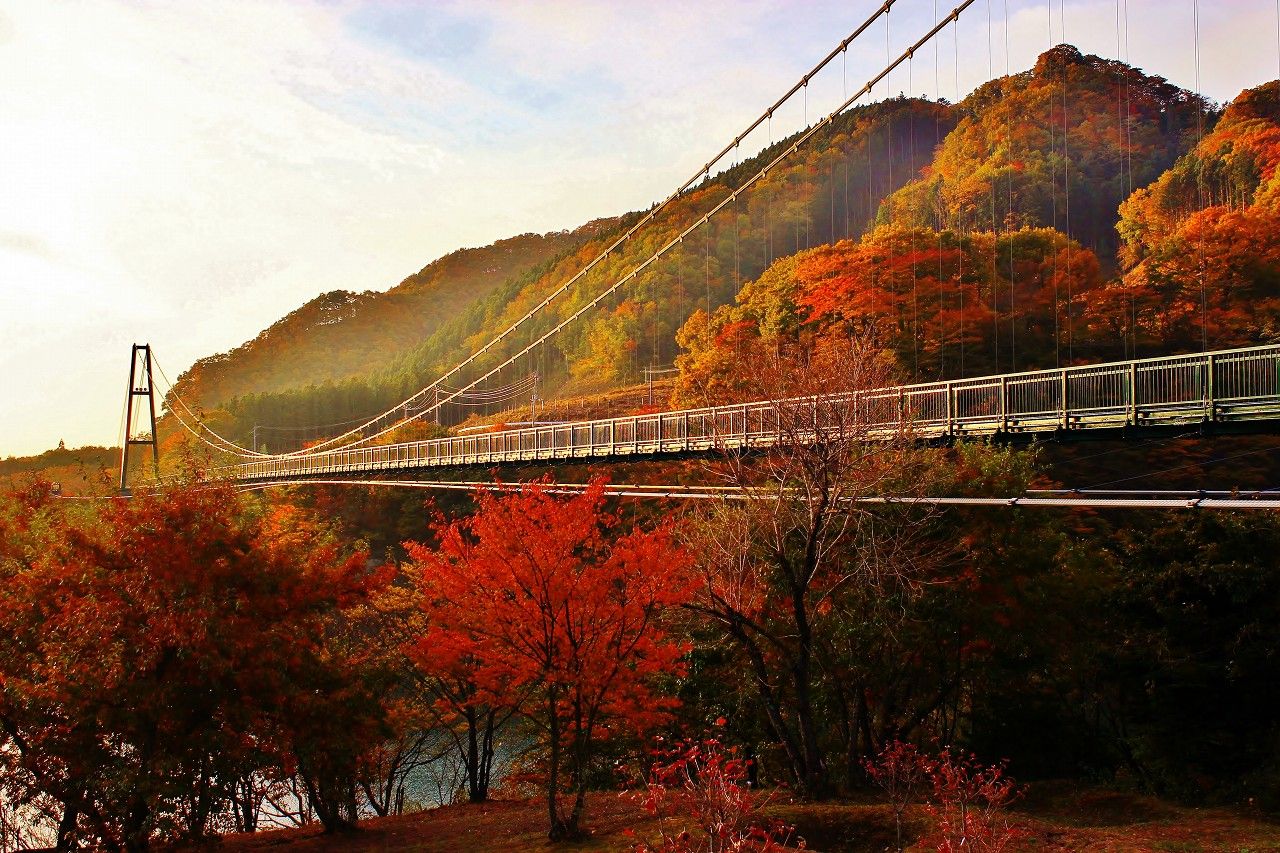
(705, 783)
(965, 798)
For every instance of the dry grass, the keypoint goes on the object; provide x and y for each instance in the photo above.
(501, 826)
(613, 403)
(1056, 818)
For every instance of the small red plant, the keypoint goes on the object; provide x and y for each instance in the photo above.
(902, 771)
(698, 791)
(964, 797)
(967, 802)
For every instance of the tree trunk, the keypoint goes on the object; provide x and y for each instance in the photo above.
(198, 825)
(474, 793)
(815, 783)
(136, 837)
(246, 805)
(67, 828)
(329, 804)
(581, 752)
(557, 832)
(770, 702)
(485, 770)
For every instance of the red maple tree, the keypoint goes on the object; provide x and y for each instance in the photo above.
(154, 650)
(543, 602)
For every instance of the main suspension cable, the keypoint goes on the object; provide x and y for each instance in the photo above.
(224, 445)
(766, 116)
(704, 221)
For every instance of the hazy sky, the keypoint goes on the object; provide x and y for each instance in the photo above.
(185, 173)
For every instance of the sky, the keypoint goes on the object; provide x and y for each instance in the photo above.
(185, 173)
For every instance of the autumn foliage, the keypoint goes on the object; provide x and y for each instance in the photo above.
(1201, 263)
(699, 792)
(155, 652)
(543, 603)
(964, 798)
(941, 304)
(1074, 134)
(1074, 214)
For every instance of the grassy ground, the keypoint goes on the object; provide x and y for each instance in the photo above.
(502, 827)
(1055, 818)
(618, 402)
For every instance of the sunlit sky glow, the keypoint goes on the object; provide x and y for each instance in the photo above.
(185, 173)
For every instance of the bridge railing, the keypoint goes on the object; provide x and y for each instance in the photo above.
(1226, 385)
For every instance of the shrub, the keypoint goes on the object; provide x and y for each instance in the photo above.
(698, 791)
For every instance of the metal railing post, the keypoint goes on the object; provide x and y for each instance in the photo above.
(950, 409)
(1004, 403)
(1211, 408)
(1062, 399)
(1133, 393)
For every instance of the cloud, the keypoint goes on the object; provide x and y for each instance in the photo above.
(27, 244)
(186, 174)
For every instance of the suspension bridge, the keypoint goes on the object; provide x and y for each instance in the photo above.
(1212, 392)
(1227, 391)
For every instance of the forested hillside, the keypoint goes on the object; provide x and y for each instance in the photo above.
(1186, 262)
(829, 190)
(82, 470)
(341, 334)
(1051, 147)
(1201, 262)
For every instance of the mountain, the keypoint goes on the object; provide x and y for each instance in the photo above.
(968, 237)
(1200, 256)
(830, 189)
(341, 334)
(974, 267)
(1052, 147)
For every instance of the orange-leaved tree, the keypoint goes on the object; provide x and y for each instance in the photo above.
(942, 304)
(1201, 265)
(155, 650)
(544, 602)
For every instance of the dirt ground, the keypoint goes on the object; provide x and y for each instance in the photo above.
(1052, 817)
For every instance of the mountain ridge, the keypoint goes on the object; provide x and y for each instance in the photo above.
(339, 334)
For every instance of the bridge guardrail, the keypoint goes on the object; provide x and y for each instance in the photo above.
(1220, 386)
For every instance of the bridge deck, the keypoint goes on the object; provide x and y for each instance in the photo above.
(1231, 388)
